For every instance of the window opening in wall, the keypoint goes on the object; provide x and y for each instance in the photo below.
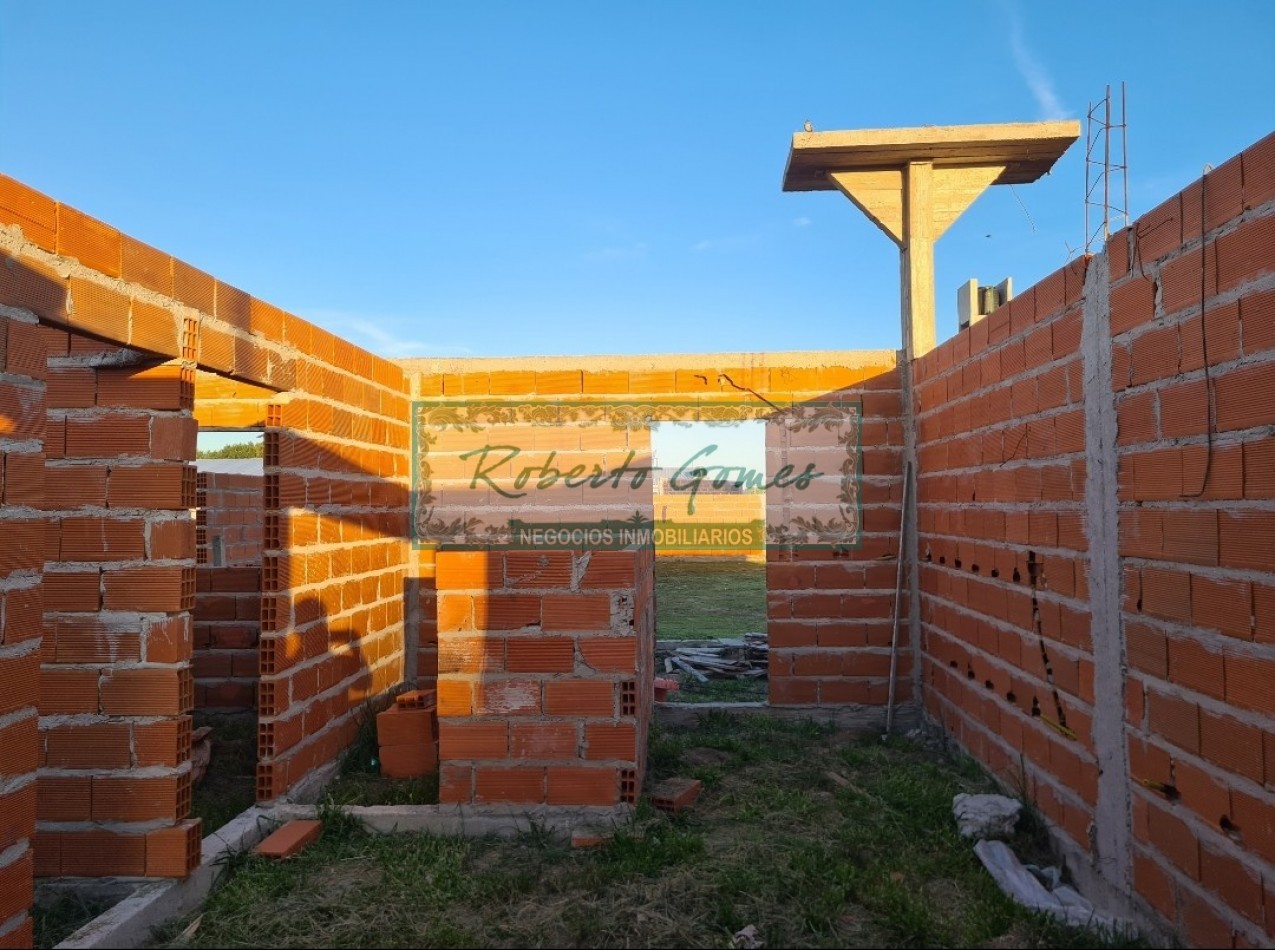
(710, 561)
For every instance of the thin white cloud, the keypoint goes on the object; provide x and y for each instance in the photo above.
(1033, 73)
(387, 344)
(730, 242)
(624, 252)
(370, 332)
(802, 222)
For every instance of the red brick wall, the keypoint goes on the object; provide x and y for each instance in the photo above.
(227, 630)
(1196, 447)
(829, 615)
(335, 565)
(119, 583)
(335, 507)
(829, 612)
(1001, 538)
(230, 519)
(1000, 417)
(544, 675)
(228, 596)
(22, 424)
(1007, 545)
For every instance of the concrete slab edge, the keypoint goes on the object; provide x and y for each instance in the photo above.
(131, 922)
(474, 821)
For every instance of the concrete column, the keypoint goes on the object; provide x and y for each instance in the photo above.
(1111, 831)
(917, 279)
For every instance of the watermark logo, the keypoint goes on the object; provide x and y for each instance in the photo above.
(541, 475)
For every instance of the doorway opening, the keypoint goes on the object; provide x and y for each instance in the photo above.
(229, 539)
(710, 560)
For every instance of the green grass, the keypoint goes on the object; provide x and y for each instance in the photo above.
(360, 782)
(813, 837)
(57, 919)
(719, 690)
(361, 788)
(229, 786)
(698, 599)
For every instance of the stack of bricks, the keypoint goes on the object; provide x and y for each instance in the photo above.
(406, 734)
(1193, 371)
(544, 675)
(227, 591)
(22, 422)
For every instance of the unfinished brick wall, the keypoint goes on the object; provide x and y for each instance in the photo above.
(544, 675)
(335, 568)
(1001, 531)
(228, 591)
(1096, 465)
(1193, 370)
(128, 328)
(829, 612)
(22, 422)
(114, 789)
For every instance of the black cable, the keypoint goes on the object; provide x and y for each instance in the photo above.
(1204, 347)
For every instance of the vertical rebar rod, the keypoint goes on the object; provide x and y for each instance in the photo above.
(1106, 168)
(1124, 152)
(1088, 152)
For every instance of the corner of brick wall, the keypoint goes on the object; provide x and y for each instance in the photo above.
(337, 496)
(22, 423)
(114, 789)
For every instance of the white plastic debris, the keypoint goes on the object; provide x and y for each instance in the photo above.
(747, 939)
(1063, 902)
(986, 816)
(1050, 876)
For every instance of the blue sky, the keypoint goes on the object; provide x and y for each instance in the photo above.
(488, 179)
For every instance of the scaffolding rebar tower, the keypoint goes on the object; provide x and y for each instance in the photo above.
(1101, 166)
